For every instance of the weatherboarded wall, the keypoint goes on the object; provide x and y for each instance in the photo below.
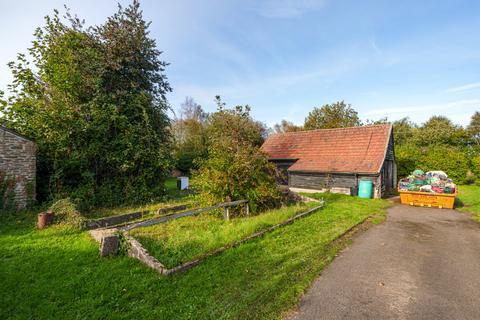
(318, 181)
(18, 162)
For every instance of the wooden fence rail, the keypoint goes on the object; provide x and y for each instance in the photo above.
(174, 216)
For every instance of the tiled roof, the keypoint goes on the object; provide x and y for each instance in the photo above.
(355, 149)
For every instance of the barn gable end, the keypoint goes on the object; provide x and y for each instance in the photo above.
(18, 163)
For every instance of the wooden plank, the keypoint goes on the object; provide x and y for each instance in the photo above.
(174, 216)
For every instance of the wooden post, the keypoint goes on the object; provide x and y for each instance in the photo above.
(247, 209)
(226, 213)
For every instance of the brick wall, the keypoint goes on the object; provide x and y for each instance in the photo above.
(18, 159)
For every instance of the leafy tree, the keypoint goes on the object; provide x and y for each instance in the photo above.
(440, 130)
(94, 101)
(190, 135)
(286, 126)
(236, 168)
(403, 131)
(383, 120)
(452, 160)
(336, 115)
(408, 157)
(473, 128)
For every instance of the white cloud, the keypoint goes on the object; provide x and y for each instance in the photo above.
(373, 44)
(423, 108)
(459, 111)
(470, 86)
(287, 8)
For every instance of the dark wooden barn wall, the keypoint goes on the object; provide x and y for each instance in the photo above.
(320, 180)
(282, 166)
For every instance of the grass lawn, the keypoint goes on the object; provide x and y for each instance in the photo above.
(469, 200)
(186, 239)
(57, 273)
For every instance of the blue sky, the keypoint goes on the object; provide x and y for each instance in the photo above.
(386, 58)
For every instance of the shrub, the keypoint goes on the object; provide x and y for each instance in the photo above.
(236, 168)
(66, 212)
(452, 160)
(408, 158)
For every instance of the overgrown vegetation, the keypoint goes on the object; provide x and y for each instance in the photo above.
(56, 272)
(189, 238)
(67, 213)
(94, 101)
(236, 168)
(7, 192)
(190, 134)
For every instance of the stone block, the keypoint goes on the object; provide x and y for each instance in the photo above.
(110, 245)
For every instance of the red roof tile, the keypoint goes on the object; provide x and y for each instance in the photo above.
(356, 149)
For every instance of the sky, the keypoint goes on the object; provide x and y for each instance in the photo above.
(386, 58)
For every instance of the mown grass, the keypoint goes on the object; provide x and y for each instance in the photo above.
(57, 273)
(186, 239)
(468, 200)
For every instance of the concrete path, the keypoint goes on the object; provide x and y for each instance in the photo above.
(421, 263)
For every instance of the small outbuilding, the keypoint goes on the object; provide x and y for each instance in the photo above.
(335, 159)
(17, 169)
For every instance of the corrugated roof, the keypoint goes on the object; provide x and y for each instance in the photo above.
(355, 149)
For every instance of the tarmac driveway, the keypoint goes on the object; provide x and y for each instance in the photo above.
(421, 263)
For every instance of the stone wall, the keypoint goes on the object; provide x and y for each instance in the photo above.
(18, 160)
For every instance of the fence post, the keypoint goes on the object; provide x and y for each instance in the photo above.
(247, 209)
(226, 213)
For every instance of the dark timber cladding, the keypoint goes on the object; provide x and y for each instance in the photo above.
(335, 158)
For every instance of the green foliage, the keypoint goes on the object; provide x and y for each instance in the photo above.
(440, 130)
(7, 192)
(94, 101)
(476, 164)
(473, 128)
(190, 136)
(286, 126)
(408, 158)
(469, 200)
(336, 115)
(236, 168)
(452, 160)
(66, 212)
(403, 130)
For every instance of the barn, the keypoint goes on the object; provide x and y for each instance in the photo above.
(335, 159)
(17, 169)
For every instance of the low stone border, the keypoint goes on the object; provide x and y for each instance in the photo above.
(137, 251)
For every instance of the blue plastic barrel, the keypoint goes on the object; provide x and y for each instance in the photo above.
(365, 189)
